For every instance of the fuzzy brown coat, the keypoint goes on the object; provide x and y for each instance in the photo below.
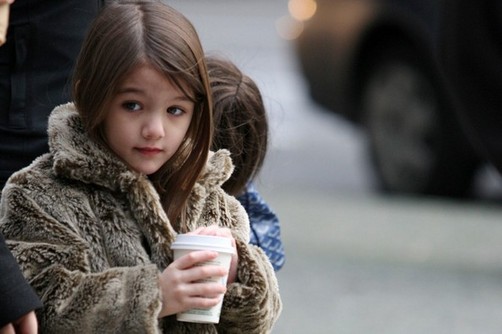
(91, 236)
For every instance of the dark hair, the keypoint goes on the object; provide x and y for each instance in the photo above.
(129, 33)
(241, 124)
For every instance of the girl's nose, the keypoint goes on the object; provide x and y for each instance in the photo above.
(153, 128)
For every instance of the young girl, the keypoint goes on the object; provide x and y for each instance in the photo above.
(91, 222)
(241, 126)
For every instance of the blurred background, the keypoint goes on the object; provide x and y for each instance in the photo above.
(390, 217)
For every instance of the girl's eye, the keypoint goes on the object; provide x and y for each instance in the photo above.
(133, 106)
(176, 111)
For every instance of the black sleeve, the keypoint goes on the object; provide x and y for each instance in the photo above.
(36, 66)
(17, 298)
(471, 55)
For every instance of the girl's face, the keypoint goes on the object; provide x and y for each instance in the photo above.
(147, 120)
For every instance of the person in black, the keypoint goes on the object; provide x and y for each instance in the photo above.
(36, 62)
(43, 40)
(471, 56)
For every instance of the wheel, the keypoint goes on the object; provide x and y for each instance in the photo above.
(415, 142)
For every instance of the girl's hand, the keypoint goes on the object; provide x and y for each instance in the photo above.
(218, 231)
(10, 2)
(183, 287)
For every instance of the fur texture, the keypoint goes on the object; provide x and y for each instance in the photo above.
(91, 236)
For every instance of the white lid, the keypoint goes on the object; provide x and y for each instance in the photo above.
(203, 242)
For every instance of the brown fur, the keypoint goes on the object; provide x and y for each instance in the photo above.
(91, 236)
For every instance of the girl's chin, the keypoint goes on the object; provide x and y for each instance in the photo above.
(147, 170)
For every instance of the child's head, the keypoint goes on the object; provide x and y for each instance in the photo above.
(240, 118)
(125, 36)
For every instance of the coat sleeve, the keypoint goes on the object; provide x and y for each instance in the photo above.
(54, 258)
(252, 304)
(18, 298)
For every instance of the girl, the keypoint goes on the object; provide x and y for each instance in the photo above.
(92, 221)
(241, 126)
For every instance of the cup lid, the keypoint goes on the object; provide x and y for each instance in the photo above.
(203, 242)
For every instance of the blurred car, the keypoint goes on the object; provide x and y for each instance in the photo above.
(376, 63)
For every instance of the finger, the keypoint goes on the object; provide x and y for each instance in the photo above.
(224, 232)
(214, 230)
(203, 302)
(203, 273)
(205, 230)
(205, 289)
(193, 258)
(196, 231)
(28, 324)
(9, 329)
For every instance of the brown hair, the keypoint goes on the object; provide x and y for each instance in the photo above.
(124, 35)
(240, 118)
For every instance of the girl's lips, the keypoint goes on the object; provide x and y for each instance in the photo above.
(149, 150)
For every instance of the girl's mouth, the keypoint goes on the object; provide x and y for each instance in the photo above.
(149, 150)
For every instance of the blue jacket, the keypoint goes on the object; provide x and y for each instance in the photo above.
(265, 228)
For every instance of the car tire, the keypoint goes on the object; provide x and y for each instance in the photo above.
(415, 142)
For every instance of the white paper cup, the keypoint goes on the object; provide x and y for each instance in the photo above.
(186, 243)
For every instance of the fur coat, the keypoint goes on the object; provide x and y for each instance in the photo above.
(91, 236)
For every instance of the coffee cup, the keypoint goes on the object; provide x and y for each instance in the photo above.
(186, 243)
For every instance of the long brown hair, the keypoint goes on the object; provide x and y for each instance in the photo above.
(124, 35)
(241, 123)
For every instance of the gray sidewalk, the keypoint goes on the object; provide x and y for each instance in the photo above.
(363, 265)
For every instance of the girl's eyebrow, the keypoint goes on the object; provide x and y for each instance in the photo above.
(124, 90)
(180, 97)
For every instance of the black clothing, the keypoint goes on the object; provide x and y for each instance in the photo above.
(17, 298)
(43, 41)
(471, 55)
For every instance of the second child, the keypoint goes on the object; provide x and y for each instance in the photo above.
(241, 126)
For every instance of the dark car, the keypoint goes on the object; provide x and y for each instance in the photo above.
(378, 64)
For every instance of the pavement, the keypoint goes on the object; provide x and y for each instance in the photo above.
(382, 265)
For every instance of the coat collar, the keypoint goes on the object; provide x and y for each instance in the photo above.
(78, 157)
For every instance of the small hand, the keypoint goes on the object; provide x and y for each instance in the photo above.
(218, 231)
(27, 324)
(183, 287)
